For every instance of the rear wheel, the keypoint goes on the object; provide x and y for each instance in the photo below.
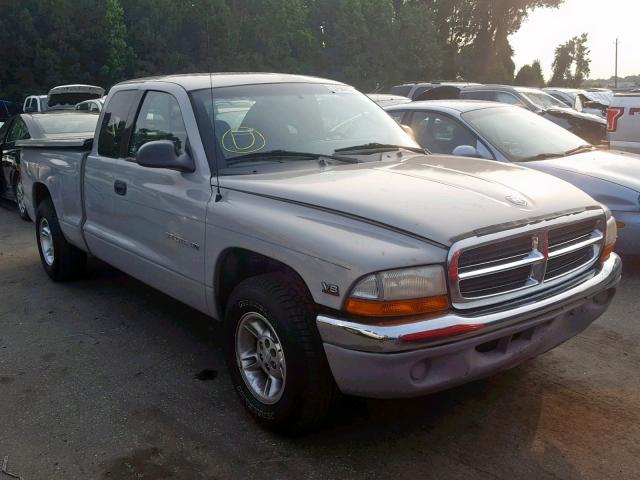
(274, 354)
(61, 260)
(18, 193)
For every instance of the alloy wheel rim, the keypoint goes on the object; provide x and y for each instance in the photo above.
(260, 358)
(46, 242)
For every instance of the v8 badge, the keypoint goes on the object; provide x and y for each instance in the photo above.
(330, 289)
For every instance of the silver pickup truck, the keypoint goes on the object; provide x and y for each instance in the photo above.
(338, 255)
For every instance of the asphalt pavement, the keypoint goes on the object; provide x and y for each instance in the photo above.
(106, 378)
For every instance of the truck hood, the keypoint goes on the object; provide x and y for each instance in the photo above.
(571, 113)
(439, 198)
(615, 167)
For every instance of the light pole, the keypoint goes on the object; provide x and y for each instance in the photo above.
(615, 81)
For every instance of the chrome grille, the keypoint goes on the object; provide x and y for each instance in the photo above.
(506, 265)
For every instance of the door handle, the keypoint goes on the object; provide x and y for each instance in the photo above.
(120, 187)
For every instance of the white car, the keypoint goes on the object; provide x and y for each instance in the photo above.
(91, 106)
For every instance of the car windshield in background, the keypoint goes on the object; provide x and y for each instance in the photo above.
(543, 100)
(63, 124)
(522, 135)
(302, 117)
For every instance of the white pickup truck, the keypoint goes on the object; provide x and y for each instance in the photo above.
(623, 122)
(340, 257)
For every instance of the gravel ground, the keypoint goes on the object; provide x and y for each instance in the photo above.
(109, 379)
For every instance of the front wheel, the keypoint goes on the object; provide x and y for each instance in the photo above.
(18, 192)
(274, 354)
(61, 260)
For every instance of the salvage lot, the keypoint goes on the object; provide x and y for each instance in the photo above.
(107, 378)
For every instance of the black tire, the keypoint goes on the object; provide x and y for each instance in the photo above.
(310, 392)
(68, 262)
(19, 198)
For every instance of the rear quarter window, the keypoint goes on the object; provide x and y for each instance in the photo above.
(115, 123)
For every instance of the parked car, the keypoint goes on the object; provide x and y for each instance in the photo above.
(414, 90)
(506, 133)
(386, 100)
(623, 122)
(35, 103)
(338, 255)
(581, 100)
(589, 127)
(66, 97)
(37, 127)
(94, 106)
(7, 110)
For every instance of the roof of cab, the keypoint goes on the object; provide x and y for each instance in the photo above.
(199, 81)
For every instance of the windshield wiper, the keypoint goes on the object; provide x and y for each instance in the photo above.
(379, 147)
(580, 149)
(271, 154)
(542, 156)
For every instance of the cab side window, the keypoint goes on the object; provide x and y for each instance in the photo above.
(114, 123)
(83, 107)
(478, 95)
(442, 134)
(18, 131)
(159, 118)
(504, 97)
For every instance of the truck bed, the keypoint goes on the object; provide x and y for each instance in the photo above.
(58, 164)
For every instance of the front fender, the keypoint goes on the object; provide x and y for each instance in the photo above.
(320, 246)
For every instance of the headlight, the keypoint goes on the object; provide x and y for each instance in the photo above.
(396, 293)
(610, 236)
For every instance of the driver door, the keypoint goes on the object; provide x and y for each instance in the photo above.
(151, 221)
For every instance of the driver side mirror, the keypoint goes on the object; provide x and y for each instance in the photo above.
(162, 154)
(466, 151)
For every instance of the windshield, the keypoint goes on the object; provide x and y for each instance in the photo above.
(61, 124)
(522, 135)
(300, 117)
(542, 100)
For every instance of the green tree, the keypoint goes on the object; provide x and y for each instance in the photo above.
(273, 35)
(421, 54)
(530, 76)
(571, 65)
(115, 34)
(475, 34)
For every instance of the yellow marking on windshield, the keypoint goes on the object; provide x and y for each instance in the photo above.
(243, 140)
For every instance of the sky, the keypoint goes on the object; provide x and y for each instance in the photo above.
(603, 20)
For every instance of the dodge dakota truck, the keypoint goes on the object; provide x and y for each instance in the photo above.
(340, 257)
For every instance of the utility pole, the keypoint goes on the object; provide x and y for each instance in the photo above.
(616, 77)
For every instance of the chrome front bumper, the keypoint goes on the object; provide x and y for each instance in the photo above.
(378, 361)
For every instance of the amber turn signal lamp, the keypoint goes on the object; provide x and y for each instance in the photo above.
(397, 308)
(607, 251)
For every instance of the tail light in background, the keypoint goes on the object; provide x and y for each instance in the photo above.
(613, 115)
